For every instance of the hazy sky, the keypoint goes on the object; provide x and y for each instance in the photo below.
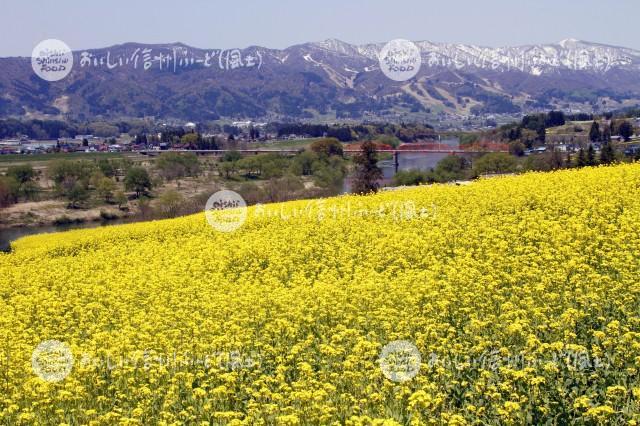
(86, 24)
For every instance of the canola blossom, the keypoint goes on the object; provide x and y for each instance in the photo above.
(521, 295)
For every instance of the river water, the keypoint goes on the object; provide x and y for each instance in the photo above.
(8, 235)
(412, 161)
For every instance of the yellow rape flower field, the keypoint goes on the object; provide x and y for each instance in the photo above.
(520, 294)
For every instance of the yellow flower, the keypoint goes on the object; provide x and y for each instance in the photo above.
(582, 402)
(600, 412)
(518, 293)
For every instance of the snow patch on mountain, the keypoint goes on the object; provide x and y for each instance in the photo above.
(568, 54)
(308, 58)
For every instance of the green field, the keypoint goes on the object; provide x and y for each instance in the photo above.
(295, 143)
(28, 158)
(43, 161)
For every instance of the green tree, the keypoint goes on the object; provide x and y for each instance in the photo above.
(516, 148)
(9, 190)
(367, 173)
(144, 207)
(189, 139)
(498, 162)
(302, 164)
(68, 175)
(273, 165)
(254, 133)
(105, 188)
(450, 168)
(626, 130)
(607, 153)
(104, 130)
(77, 195)
(65, 171)
(329, 172)
(22, 173)
(95, 179)
(252, 166)
(120, 199)
(581, 161)
(591, 156)
(594, 132)
(170, 203)
(283, 188)
(25, 176)
(29, 190)
(137, 179)
(327, 177)
(555, 159)
(390, 140)
(231, 156)
(412, 177)
(227, 168)
(106, 167)
(251, 192)
(327, 146)
(606, 133)
(173, 165)
(555, 119)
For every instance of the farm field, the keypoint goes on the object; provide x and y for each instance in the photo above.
(284, 144)
(44, 161)
(519, 294)
(31, 158)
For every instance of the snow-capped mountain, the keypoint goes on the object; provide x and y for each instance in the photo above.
(331, 77)
(569, 54)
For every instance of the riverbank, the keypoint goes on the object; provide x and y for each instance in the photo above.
(55, 212)
(9, 235)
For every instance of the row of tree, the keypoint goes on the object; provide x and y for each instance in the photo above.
(603, 132)
(76, 179)
(54, 129)
(18, 182)
(457, 168)
(323, 161)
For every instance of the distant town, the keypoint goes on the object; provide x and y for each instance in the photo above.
(161, 136)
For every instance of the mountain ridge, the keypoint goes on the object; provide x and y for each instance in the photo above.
(329, 78)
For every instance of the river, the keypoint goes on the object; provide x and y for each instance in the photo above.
(411, 161)
(8, 235)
